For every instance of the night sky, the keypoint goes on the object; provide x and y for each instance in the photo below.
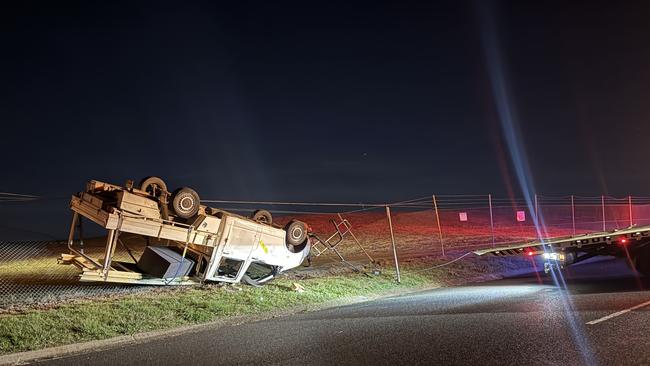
(338, 101)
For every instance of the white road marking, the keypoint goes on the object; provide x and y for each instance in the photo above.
(618, 313)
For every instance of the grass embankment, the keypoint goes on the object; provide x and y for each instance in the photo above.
(86, 320)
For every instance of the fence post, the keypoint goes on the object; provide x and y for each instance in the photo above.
(392, 239)
(573, 215)
(435, 208)
(536, 209)
(491, 218)
(602, 203)
(629, 204)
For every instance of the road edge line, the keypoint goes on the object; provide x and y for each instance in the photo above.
(618, 313)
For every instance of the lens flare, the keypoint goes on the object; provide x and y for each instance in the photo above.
(507, 117)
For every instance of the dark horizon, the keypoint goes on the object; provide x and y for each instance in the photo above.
(324, 102)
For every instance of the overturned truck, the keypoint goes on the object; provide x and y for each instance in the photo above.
(194, 243)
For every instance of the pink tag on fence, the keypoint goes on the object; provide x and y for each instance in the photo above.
(462, 216)
(521, 216)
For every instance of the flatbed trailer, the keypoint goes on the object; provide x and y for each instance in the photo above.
(219, 245)
(632, 242)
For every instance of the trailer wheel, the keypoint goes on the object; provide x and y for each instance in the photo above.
(185, 202)
(296, 234)
(153, 185)
(262, 217)
(642, 261)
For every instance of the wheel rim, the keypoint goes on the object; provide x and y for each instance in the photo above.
(186, 203)
(296, 233)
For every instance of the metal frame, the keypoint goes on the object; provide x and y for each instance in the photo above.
(343, 228)
(93, 271)
(75, 219)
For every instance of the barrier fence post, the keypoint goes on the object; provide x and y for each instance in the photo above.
(573, 215)
(602, 204)
(491, 218)
(536, 209)
(392, 239)
(435, 209)
(629, 204)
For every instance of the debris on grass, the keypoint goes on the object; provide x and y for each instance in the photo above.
(298, 287)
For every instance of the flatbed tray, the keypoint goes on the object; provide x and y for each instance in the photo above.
(631, 234)
(90, 207)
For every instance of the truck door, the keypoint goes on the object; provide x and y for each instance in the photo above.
(241, 238)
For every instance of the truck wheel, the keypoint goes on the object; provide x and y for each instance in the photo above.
(185, 202)
(262, 217)
(153, 185)
(156, 187)
(296, 233)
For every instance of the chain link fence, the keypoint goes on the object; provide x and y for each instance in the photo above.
(29, 274)
(429, 226)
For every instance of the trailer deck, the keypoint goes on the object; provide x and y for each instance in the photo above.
(627, 236)
(632, 243)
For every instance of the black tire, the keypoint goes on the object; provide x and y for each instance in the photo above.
(296, 233)
(262, 217)
(153, 185)
(642, 261)
(185, 202)
(157, 188)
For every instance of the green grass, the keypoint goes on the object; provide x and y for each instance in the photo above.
(91, 320)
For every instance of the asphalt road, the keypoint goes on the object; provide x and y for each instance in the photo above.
(516, 321)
